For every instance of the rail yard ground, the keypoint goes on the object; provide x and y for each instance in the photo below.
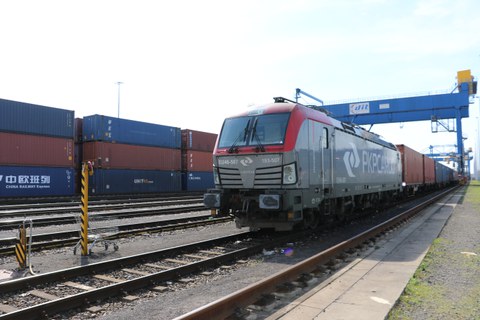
(447, 283)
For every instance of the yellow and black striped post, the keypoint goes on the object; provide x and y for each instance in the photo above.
(21, 248)
(87, 170)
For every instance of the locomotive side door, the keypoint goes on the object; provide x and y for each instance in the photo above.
(326, 172)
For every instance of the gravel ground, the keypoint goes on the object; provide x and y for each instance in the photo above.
(201, 289)
(51, 260)
(447, 283)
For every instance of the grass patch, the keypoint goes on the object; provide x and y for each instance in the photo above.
(420, 292)
(473, 193)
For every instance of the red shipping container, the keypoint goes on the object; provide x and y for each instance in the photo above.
(31, 150)
(197, 161)
(428, 170)
(198, 140)
(412, 165)
(109, 155)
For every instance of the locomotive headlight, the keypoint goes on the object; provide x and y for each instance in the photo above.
(216, 179)
(290, 173)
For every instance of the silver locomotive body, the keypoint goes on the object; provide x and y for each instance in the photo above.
(286, 164)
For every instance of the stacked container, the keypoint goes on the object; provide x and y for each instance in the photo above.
(37, 150)
(197, 160)
(131, 156)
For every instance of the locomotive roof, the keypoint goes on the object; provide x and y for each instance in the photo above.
(318, 114)
(281, 107)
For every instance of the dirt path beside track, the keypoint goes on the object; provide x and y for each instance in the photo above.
(447, 283)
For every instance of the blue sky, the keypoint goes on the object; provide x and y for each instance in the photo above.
(192, 63)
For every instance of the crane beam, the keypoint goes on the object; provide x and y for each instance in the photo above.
(430, 107)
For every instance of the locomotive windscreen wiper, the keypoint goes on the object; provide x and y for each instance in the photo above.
(243, 133)
(260, 146)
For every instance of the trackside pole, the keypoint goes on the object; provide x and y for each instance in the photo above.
(21, 248)
(213, 213)
(87, 169)
(21, 253)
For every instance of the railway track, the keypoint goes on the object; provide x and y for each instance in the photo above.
(71, 237)
(104, 215)
(87, 284)
(29, 210)
(52, 201)
(118, 214)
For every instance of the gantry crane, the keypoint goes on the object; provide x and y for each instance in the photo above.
(436, 108)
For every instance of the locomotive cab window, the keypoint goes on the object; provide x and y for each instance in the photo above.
(268, 129)
(234, 132)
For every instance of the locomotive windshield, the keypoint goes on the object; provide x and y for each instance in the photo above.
(268, 129)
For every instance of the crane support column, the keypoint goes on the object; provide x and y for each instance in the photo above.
(461, 163)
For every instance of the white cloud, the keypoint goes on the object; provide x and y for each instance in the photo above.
(433, 8)
(195, 62)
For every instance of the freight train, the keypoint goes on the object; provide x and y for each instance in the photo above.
(286, 165)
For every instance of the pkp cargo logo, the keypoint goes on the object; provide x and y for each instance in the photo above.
(352, 160)
(246, 162)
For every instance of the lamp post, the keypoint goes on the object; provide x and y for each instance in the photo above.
(119, 83)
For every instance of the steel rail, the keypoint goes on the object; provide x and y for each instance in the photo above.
(80, 299)
(225, 307)
(101, 266)
(77, 300)
(29, 211)
(98, 198)
(45, 241)
(41, 222)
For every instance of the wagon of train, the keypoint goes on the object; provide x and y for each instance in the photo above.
(284, 165)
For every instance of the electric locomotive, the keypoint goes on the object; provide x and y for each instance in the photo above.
(285, 165)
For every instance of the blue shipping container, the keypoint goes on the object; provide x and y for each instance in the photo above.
(111, 181)
(29, 118)
(438, 173)
(197, 181)
(443, 174)
(103, 128)
(36, 181)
